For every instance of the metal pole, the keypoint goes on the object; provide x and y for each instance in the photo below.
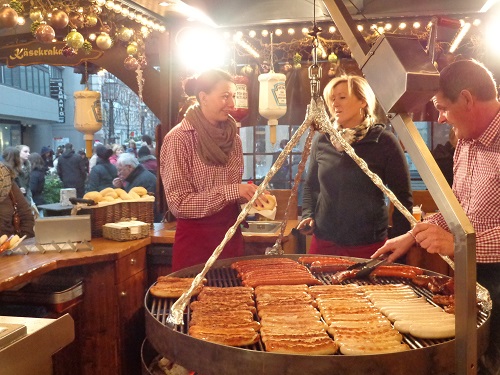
(111, 122)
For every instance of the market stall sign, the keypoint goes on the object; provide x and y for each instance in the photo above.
(34, 53)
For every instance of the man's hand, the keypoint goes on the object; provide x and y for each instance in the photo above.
(118, 183)
(399, 246)
(434, 239)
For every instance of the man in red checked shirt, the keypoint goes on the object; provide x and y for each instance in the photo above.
(467, 100)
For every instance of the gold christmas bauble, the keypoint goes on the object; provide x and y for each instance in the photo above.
(103, 41)
(8, 17)
(91, 20)
(59, 19)
(36, 15)
(124, 34)
(74, 39)
(132, 49)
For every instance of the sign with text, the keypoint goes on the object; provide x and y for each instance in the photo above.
(57, 92)
(34, 53)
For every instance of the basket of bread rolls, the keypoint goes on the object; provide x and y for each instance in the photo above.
(111, 205)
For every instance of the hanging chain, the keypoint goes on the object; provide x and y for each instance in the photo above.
(86, 76)
(315, 69)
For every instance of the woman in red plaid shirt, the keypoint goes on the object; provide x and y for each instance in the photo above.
(201, 165)
(467, 100)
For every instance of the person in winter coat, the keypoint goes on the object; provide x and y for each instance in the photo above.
(37, 178)
(147, 160)
(47, 155)
(148, 141)
(117, 151)
(7, 206)
(103, 173)
(443, 154)
(131, 174)
(342, 208)
(20, 168)
(72, 170)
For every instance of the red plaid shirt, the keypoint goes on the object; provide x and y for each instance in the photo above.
(476, 185)
(193, 189)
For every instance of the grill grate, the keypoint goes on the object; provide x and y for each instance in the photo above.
(225, 276)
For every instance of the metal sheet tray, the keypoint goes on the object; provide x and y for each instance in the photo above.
(46, 290)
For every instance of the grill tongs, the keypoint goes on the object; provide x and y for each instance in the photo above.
(358, 270)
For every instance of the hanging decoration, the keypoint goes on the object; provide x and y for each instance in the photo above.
(88, 114)
(8, 17)
(92, 24)
(247, 70)
(272, 97)
(140, 81)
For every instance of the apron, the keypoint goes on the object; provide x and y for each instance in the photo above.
(330, 248)
(196, 239)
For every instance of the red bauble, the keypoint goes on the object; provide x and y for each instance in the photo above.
(67, 51)
(59, 19)
(45, 33)
(8, 17)
(130, 63)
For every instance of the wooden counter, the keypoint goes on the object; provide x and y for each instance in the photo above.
(109, 322)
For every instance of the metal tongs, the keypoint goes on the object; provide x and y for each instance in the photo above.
(88, 202)
(365, 268)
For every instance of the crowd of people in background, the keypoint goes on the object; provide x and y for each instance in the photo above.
(31, 170)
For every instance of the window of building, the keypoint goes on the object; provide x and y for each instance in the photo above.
(24, 84)
(34, 78)
(29, 78)
(260, 154)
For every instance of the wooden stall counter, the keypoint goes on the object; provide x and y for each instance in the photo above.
(109, 320)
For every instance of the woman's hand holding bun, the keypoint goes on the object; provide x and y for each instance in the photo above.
(267, 202)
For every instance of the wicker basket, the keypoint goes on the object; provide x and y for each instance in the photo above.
(126, 231)
(112, 213)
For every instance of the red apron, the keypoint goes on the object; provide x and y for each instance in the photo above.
(330, 248)
(196, 239)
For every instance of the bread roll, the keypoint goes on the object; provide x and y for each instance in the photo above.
(269, 205)
(139, 190)
(119, 191)
(125, 196)
(112, 194)
(106, 191)
(93, 195)
(134, 195)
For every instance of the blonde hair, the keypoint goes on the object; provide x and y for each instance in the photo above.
(357, 86)
(116, 146)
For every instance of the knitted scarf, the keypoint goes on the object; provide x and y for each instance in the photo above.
(215, 143)
(352, 135)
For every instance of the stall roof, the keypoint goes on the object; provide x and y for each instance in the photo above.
(238, 13)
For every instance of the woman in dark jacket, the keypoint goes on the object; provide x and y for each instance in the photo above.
(37, 178)
(147, 160)
(7, 206)
(20, 169)
(103, 173)
(346, 212)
